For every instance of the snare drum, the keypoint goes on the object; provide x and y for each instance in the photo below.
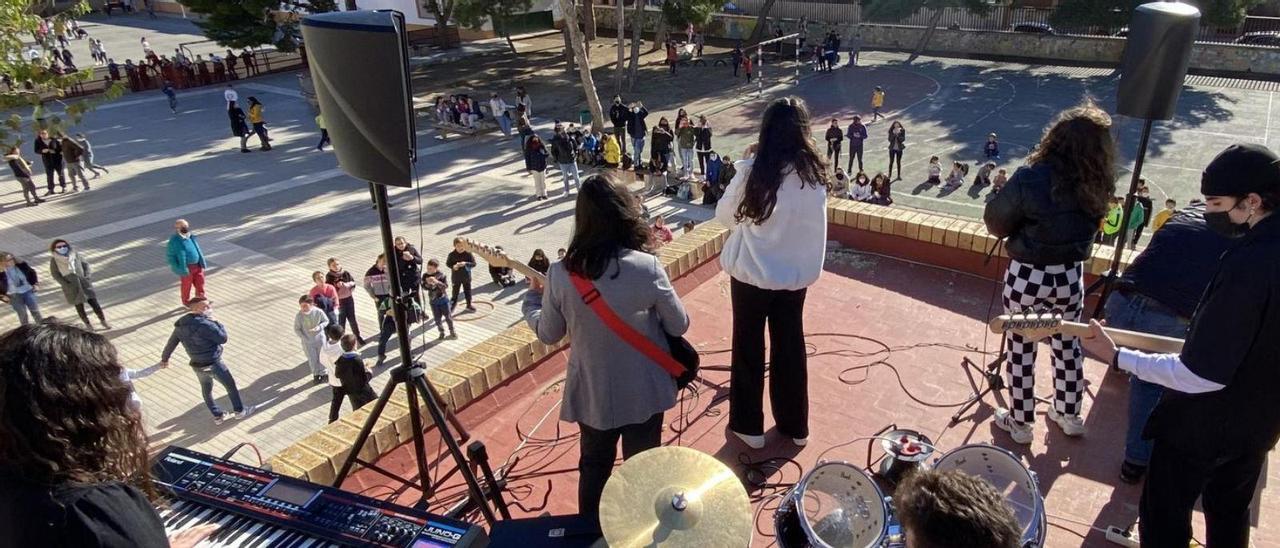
(1012, 480)
(835, 505)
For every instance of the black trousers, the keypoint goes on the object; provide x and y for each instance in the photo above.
(50, 168)
(97, 311)
(324, 139)
(783, 311)
(895, 155)
(1224, 479)
(464, 283)
(703, 158)
(833, 154)
(599, 448)
(347, 315)
(620, 134)
(357, 398)
(856, 151)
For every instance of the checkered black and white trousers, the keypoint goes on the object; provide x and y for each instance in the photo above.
(1057, 289)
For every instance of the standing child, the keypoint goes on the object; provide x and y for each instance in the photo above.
(324, 296)
(1111, 223)
(324, 132)
(88, 155)
(172, 95)
(686, 135)
(343, 283)
(935, 171)
(835, 138)
(309, 326)
(435, 282)
(460, 261)
(329, 354)
(877, 102)
(22, 170)
(535, 162)
(992, 148)
(746, 66)
(353, 378)
(1163, 215)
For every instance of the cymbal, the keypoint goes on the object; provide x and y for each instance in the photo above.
(675, 496)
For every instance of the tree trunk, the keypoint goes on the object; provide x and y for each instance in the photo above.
(637, 28)
(568, 44)
(584, 66)
(620, 28)
(928, 34)
(504, 32)
(660, 33)
(762, 21)
(589, 19)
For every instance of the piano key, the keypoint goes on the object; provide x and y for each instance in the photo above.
(308, 543)
(246, 535)
(276, 539)
(197, 516)
(235, 527)
(222, 520)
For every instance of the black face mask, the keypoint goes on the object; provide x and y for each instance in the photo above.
(183, 231)
(1220, 222)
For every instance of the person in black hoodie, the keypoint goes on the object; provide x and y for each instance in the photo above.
(662, 139)
(619, 114)
(50, 151)
(564, 151)
(702, 144)
(460, 261)
(638, 130)
(353, 378)
(857, 133)
(835, 138)
(435, 283)
(409, 263)
(1049, 213)
(239, 125)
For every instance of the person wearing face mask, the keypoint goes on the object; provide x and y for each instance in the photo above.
(202, 338)
(638, 130)
(186, 260)
(618, 115)
(1142, 200)
(1217, 418)
(71, 271)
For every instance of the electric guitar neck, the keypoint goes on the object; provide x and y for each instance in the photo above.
(1040, 326)
(499, 259)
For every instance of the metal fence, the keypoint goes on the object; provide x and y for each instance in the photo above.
(1258, 31)
(267, 61)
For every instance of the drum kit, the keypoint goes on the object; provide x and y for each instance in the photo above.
(677, 496)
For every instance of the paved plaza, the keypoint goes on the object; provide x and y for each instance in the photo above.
(269, 219)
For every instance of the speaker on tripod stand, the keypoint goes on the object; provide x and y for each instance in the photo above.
(1156, 57)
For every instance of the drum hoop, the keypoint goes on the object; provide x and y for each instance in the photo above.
(799, 489)
(1038, 517)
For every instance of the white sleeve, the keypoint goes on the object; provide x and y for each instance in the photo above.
(727, 206)
(1166, 370)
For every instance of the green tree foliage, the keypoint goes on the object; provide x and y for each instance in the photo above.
(32, 84)
(679, 13)
(474, 13)
(889, 11)
(252, 23)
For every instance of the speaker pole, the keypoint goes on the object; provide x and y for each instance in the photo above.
(1109, 280)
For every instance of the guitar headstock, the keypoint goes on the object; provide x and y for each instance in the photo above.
(1032, 326)
(499, 259)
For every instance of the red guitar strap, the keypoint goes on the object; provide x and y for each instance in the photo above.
(592, 298)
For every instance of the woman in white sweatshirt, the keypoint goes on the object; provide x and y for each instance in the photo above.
(776, 207)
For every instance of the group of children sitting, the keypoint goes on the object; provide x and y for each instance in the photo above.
(987, 175)
(458, 110)
(874, 190)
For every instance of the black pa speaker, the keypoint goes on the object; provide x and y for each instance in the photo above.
(1156, 58)
(360, 69)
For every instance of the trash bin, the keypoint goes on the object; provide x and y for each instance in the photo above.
(584, 117)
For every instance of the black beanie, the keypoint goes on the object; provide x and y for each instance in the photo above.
(1241, 169)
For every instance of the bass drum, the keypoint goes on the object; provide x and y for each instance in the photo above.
(835, 505)
(1016, 483)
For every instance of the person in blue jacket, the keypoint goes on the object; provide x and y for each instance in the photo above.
(202, 338)
(186, 260)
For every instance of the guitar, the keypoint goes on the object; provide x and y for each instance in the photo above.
(499, 259)
(1040, 326)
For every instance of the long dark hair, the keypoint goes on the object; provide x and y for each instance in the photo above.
(65, 413)
(606, 221)
(784, 144)
(1079, 149)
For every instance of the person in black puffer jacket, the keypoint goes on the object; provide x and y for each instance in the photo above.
(618, 115)
(1050, 212)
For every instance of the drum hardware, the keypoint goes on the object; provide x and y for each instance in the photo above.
(1010, 477)
(675, 496)
(906, 452)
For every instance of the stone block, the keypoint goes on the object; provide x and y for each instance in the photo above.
(504, 357)
(473, 374)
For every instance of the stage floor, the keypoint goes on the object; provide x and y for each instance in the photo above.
(886, 339)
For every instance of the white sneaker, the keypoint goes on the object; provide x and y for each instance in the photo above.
(248, 410)
(1020, 432)
(800, 442)
(1072, 425)
(754, 442)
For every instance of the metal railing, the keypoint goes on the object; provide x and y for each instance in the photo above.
(1253, 30)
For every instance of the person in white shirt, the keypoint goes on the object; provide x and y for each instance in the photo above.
(230, 95)
(776, 208)
(497, 106)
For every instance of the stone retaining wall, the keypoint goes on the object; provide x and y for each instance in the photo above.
(1092, 50)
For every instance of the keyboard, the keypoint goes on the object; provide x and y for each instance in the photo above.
(257, 508)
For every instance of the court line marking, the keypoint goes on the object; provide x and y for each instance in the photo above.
(1266, 133)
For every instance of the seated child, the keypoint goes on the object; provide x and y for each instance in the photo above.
(502, 276)
(999, 181)
(935, 171)
(984, 174)
(956, 178)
